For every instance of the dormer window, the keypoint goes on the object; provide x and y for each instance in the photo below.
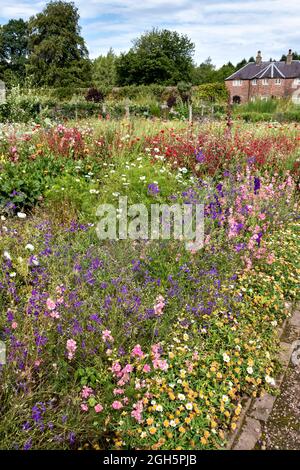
(265, 81)
(237, 82)
(254, 81)
(278, 81)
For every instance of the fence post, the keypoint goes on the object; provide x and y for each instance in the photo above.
(127, 110)
(190, 111)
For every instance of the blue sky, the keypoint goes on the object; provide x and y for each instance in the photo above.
(222, 29)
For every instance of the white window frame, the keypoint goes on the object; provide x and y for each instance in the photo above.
(297, 81)
(254, 81)
(237, 82)
(264, 98)
(278, 81)
(265, 81)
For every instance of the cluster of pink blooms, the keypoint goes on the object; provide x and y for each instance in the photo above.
(53, 305)
(159, 306)
(87, 392)
(157, 362)
(71, 348)
(137, 411)
(137, 351)
(106, 336)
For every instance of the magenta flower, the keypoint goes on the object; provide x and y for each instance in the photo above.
(86, 392)
(71, 348)
(106, 336)
(50, 304)
(98, 408)
(137, 351)
(117, 405)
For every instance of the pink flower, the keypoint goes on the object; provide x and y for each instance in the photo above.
(116, 367)
(98, 408)
(146, 368)
(127, 369)
(160, 303)
(117, 405)
(86, 391)
(54, 315)
(137, 411)
(50, 304)
(71, 348)
(160, 364)
(84, 407)
(14, 325)
(137, 351)
(118, 391)
(106, 336)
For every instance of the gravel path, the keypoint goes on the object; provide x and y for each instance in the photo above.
(282, 430)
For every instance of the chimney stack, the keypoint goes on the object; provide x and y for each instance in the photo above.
(289, 57)
(258, 58)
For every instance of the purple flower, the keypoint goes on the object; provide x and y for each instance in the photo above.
(256, 184)
(153, 189)
(200, 157)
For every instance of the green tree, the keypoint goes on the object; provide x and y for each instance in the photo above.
(14, 49)
(204, 73)
(225, 71)
(296, 56)
(58, 55)
(158, 56)
(104, 72)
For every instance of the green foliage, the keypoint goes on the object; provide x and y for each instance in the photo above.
(58, 55)
(13, 50)
(204, 73)
(104, 73)
(211, 92)
(158, 56)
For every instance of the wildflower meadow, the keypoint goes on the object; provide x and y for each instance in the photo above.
(142, 343)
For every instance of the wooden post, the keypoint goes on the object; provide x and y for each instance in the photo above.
(190, 111)
(127, 110)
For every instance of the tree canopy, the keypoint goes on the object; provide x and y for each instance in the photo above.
(14, 49)
(58, 55)
(158, 56)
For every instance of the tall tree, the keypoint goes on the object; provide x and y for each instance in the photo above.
(58, 55)
(104, 72)
(158, 56)
(204, 73)
(14, 48)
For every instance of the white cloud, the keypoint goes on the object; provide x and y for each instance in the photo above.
(225, 30)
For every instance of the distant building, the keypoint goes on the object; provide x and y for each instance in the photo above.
(2, 92)
(265, 80)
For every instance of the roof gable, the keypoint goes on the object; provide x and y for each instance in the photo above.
(278, 69)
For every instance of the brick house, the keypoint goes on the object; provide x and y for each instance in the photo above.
(264, 80)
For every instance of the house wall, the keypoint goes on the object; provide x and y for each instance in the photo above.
(241, 91)
(247, 90)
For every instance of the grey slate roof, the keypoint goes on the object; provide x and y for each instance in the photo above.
(267, 70)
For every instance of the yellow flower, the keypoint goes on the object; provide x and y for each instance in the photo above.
(203, 441)
(182, 429)
(149, 421)
(152, 430)
(233, 426)
(166, 423)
